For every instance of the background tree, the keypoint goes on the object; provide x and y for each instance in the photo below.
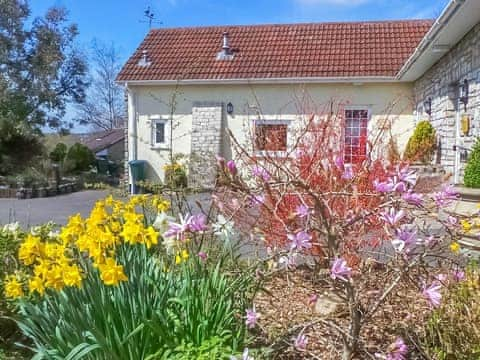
(104, 108)
(41, 71)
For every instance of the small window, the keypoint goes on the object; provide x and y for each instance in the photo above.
(159, 132)
(355, 135)
(271, 136)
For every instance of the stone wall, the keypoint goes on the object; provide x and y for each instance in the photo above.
(441, 83)
(206, 140)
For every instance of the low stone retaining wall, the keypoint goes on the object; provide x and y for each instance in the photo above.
(29, 193)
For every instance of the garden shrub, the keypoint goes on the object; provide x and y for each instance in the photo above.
(422, 143)
(471, 177)
(175, 176)
(79, 158)
(103, 288)
(453, 332)
(59, 153)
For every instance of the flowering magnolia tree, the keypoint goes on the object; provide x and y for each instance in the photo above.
(356, 216)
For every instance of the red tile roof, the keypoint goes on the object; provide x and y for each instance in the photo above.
(100, 140)
(351, 49)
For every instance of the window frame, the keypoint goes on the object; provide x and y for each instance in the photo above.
(271, 153)
(366, 108)
(159, 145)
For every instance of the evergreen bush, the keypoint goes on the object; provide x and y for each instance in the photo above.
(472, 170)
(422, 143)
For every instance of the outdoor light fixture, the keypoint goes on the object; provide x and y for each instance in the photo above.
(229, 108)
(427, 106)
(464, 93)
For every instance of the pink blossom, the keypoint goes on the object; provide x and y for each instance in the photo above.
(459, 275)
(441, 278)
(339, 162)
(392, 217)
(232, 167)
(452, 220)
(348, 173)
(407, 175)
(312, 300)
(413, 198)
(203, 256)
(399, 350)
(399, 186)
(197, 223)
(176, 230)
(220, 161)
(301, 240)
(257, 199)
(445, 196)
(432, 294)
(300, 342)
(404, 240)
(384, 187)
(261, 173)
(251, 318)
(340, 270)
(302, 211)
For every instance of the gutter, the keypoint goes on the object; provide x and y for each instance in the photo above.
(436, 28)
(292, 80)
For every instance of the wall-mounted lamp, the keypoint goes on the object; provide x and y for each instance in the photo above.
(229, 108)
(427, 106)
(464, 93)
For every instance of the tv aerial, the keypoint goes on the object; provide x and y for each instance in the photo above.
(150, 18)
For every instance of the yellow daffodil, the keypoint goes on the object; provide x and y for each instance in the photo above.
(455, 247)
(181, 256)
(54, 278)
(150, 237)
(13, 288)
(30, 250)
(467, 226)
(35, 284)
(72, 276)
(111, 273)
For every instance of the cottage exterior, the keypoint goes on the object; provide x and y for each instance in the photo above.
(186, 86)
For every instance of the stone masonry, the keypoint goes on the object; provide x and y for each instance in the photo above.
(441, 83)
(207, 129)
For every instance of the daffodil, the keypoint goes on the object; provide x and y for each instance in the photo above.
(35, 284)
(30, 250)
(111, 273)
(13, 288)
(455, 247)
(181, 256)
(72, 276)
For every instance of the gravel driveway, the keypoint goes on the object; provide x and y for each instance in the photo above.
(32, 212)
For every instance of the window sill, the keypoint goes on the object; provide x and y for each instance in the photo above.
(160, 147)
(273, 154)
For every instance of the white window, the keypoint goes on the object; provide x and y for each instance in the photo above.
(355, 134)
(160, 133)
(270, 137)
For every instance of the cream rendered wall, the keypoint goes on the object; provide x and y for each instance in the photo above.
(276, 101)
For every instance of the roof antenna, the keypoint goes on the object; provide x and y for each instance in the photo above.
(148, 13)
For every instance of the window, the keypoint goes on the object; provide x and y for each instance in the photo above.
(159, 132)
(270, 135)
(356, 123)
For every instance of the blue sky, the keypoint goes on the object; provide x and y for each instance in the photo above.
(119, 20)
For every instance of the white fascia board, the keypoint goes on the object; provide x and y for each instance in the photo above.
(296, 80)
(451, 24)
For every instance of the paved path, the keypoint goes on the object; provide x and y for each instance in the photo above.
(32, 212)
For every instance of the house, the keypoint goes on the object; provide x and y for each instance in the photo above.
(186, 86)
(109, 144)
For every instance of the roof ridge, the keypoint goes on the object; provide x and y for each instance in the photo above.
(211, 27)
